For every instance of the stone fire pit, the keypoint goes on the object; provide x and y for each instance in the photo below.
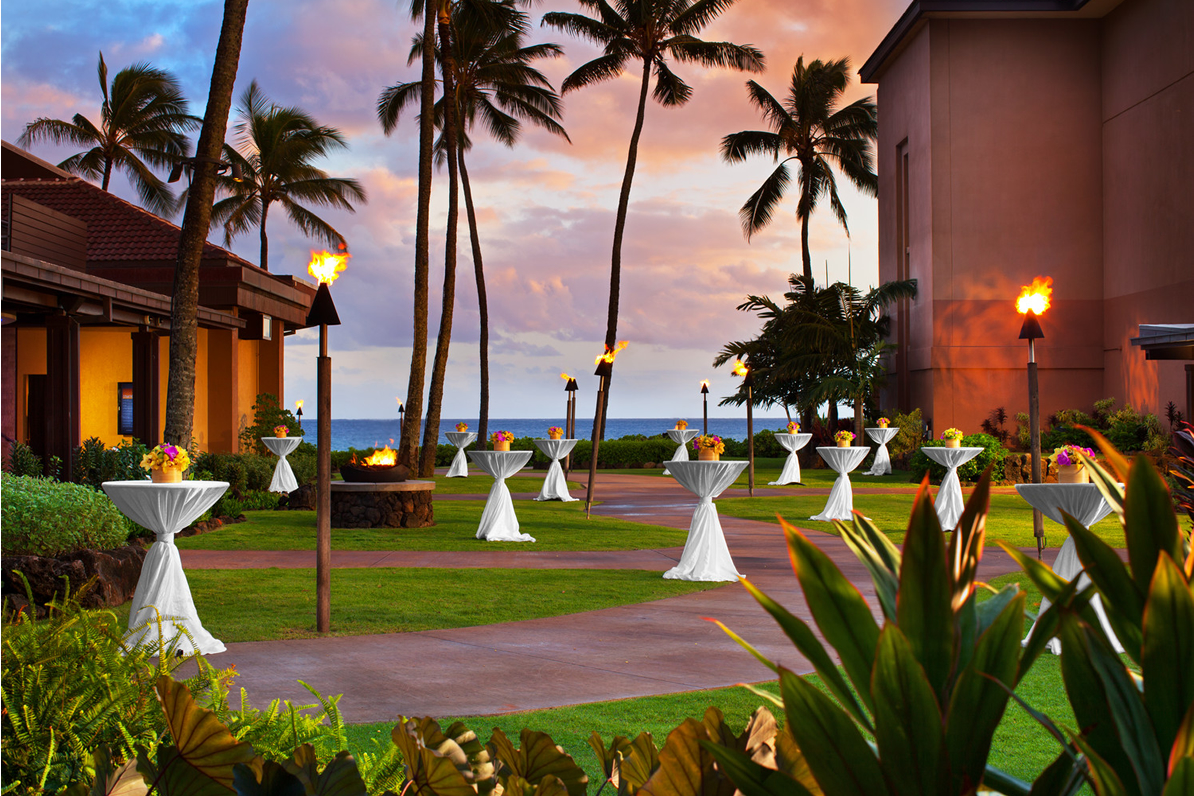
(405, 504)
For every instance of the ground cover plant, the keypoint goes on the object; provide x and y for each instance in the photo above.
(43, 517)
(402, 600)
(556, 526)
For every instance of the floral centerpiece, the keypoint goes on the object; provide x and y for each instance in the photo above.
(166, 463)
(708, 447)
(501, 440)
(844, 438)
(1070, 469)
(952, 437)
(555, 432)
(883, 422)
(462, 427)
(281, 430)
(793, 427)
(681, 424)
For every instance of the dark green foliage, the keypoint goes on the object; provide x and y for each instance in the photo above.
(46, 518)
(23, 461)
(911, 436)
(992, 456)
(94, 463)
(1126, 429)
(1181, 468)
(267, 413)
(244, 472)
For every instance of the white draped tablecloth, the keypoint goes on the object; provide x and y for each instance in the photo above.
(1085, 503)
(706, 555)
(461, 439)
(166, 509)
(882, 463)
(499, 523)
(284, 480)
(791, 443)
(680, 436)
(949, 495)
(555, 487)
(841, 497)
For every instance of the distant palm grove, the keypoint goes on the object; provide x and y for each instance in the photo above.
(474, 77)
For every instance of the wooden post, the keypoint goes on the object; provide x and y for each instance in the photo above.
(750, 436)
(1034, 427)
(597, 418)
(323, 506)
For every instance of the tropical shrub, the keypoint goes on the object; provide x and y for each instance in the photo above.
(23, 461)
(1181, 468)
(992, 457)
(928, 684)
(1135, 723)
(244, 472)
(94, 463)
(267, 414)
(43, 517)
(912, 432)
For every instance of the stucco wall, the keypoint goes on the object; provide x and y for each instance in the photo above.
(105, 359)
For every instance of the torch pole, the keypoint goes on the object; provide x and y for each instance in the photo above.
(1034, 427)
(597, 418)
(567, 427)
(750, 438)
(705, 401)
(323, 521)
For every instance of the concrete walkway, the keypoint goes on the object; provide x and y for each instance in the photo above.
(630, 651)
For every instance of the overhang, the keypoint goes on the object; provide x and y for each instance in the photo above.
(1166, 340)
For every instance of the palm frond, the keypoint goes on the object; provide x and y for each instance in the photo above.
(395, 99)
(670, 91)
(724, 54)
(757, 211)
(600, 69)
(312, 225)
(736, 147)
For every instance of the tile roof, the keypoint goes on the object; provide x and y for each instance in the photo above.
(116, 230)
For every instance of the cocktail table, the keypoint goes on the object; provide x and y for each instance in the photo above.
(283, 480)
(555, 487)
(680, 436)
(499, 523)
(706, 556)
(791, 443)
(949, 495)
(461, 439)
(841, 497)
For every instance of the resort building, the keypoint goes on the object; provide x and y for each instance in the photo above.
(86, 299)
(1025, 138)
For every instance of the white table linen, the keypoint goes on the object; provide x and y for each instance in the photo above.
(841, 497)
(283, 480)
(791, 443)
(1085, 503)
(706, 556)
(680, 436)
(949, 495)
(461, 439)
(555, 487)
(882, 463)
(499, 523)
(166, 509)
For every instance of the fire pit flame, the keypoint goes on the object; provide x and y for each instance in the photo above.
(386, 457)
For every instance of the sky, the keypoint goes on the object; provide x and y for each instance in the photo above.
(545, 207)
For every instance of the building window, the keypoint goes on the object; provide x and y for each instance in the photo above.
(267, 327)
(124, 408)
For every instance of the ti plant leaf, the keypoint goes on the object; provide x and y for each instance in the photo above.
(1150, 523)
(908, 725)
(430, 772)
(537, 758)
(1167, 654)
(752, 778)
(685, 767)
(1123, 599)
(122, 780)
(966, 543)
(878, 555)
(636, 764)
(272, 780)
(923, 607)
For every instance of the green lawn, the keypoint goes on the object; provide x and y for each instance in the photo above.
(555, 526)
(1020, 747)
(1010, 519)
(368, 601)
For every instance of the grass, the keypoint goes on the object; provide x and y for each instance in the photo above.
(370, 601)
(1021, 747)
(1010, 519)
(555, 526)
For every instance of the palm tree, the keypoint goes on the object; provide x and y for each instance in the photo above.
(196, 221)
(495, 86)
(275, 148)
(143, 125)
(649, 31)
(807, 128)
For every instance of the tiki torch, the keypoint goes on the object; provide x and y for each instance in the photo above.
(705, 401)
(401, 420)
(569, 414)
(1033, 301)
(605, 367)
(298, 413)
(325, 267)
(748, 381)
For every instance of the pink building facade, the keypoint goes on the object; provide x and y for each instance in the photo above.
(1026, 138)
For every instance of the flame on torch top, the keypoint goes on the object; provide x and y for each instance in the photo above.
(740, 368)
(704, 382)
(1034, 298)
(565, 377)
(609, 354)
(298, 404)
(326, 266)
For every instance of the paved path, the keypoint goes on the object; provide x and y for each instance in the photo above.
(635, 650)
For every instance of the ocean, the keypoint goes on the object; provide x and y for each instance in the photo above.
(368, 433)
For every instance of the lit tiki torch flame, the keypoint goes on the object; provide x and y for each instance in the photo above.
(298, 406)
(704, 385)
(565, 377)
(740, 368)
(326, 266)
(1034, 298)
(610, 354)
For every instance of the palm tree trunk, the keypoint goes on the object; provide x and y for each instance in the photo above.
(858, 408)
(418, 355)
(107, 173)
(264, 263)
(482, 306)
(805, 258)
(443, 341)
(184, 325)
(615, 270)
(833, 418)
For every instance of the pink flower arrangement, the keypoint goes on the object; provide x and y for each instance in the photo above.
(462, 427)
(166, 457)
(793, 427)
(501, 436)
(555, 431)
(711, 442)
(1069, 454)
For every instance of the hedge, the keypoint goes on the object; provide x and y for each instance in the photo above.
(44, 517)
(993, 454)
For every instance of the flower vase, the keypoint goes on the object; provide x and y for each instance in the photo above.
(554, 435)
(166, 475)
(281, 433)
(953, 443)
(708, 455)
(883, 425)
(1072, 474)
(501, 446)
(843, 443)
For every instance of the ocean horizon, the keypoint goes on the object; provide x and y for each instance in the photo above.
(364, 433)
